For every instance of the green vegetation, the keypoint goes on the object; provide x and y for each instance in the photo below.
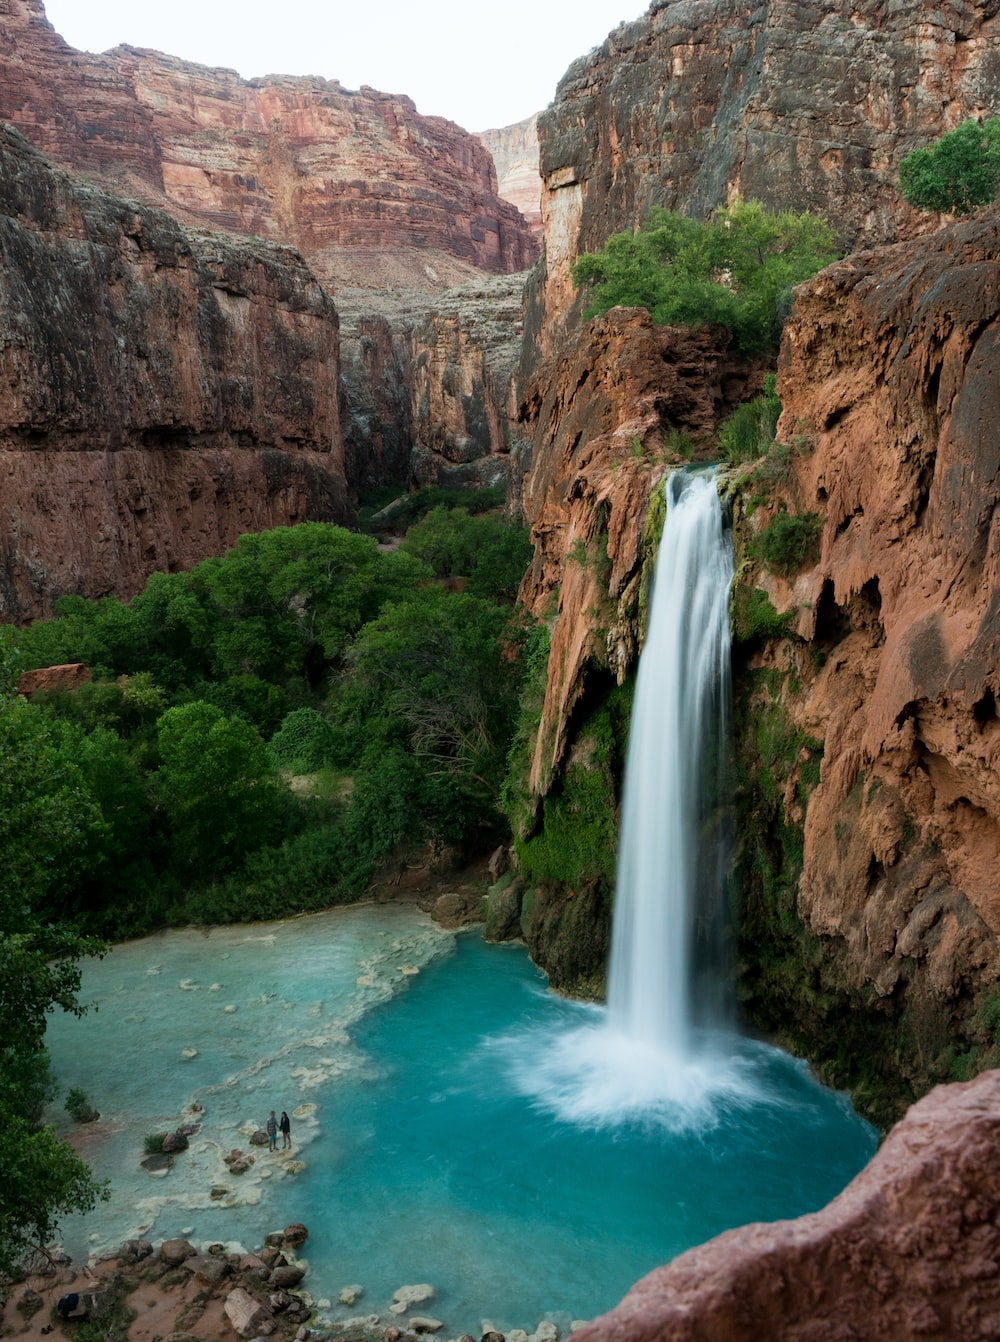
(789, 542)
(737, 270)
(390, 677)
(754, 619)
(79, 1108)
(158, 792)
(47, 820)
(576, 842)
(958, 173)
(748, 433)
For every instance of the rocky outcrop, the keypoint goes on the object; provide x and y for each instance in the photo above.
(625, 400)
(162, 392)
(804, 107)
(429, 390)
(372, 194)
(909, 1249)
(515, 154)
(890, 378)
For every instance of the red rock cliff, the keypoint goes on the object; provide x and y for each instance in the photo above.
(890, 378)
(161, 392)
(370, 192)
(802, 106)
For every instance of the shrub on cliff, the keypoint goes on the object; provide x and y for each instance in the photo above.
(736, 270)
(958, 173)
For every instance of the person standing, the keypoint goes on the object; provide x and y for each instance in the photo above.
(271, 1127)
(285, 1128)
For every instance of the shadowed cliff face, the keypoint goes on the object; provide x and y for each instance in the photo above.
(890, 379)
(801, 106)
(161, 392)
(371, 193)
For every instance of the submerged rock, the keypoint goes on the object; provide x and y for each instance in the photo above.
(410, 1295)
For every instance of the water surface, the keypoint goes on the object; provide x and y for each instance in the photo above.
(449, 1124)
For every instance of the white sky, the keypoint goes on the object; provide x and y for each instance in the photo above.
(483, 66)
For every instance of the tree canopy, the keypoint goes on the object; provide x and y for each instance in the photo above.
(46, 818)
(736, 270)
(957, 174)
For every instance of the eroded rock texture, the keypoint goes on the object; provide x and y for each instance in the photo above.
(605, 420)
(909, 1249)
(801, 106)
(371, 193)
(161, 392)
(890, 378)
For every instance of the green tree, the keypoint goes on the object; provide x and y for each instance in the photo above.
(46, 817)
(736, 270)
(957, 174)
(217, 786)
(437, 675)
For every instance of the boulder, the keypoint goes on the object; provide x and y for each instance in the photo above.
(350, 1295)
(209, 1269)
(423, 1323)
(175, 1141)
(174, 1252)
(295, 1235)
(135, 1250)
(259, 1138)
(250, 1317)
(285, 1277)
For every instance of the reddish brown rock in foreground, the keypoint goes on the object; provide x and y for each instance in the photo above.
(161, 392)
(372, 194)
(909, 1249)
(50, 678)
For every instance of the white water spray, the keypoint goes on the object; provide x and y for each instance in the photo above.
(669, 902)
(664, 1051)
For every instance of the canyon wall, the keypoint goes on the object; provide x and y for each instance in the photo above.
(515, 154)
(804, 107)
(889, 381)
(161, 391)
(372, 194)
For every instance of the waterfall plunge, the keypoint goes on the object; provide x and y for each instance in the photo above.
(666, 974)
(661, 1052)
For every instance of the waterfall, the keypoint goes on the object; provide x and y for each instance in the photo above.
(667, 966)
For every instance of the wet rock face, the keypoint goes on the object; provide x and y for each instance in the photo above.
(600, 419)
(800, 106)
(370, 192)
(161, 392)
(890, 380)
(909, 1249)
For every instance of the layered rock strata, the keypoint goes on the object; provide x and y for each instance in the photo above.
(161, 391)
(371, 193)
(804, 107)
(909, 1249)
(429, 390)
(890, 378)
(515, 154)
